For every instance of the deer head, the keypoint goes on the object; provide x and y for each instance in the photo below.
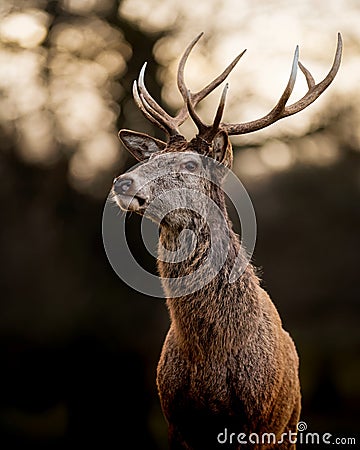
(178, 162)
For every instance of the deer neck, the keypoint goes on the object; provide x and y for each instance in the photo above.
(200, 315)
(188, 237)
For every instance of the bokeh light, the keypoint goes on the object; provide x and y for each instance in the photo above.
(70, 73)
(65, 94)
(28, 29)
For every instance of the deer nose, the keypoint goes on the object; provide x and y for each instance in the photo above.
(122, 186)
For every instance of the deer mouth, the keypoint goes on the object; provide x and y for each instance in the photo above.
(131, 202)
(140, 202)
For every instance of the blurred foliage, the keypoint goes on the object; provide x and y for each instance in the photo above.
(78, 348)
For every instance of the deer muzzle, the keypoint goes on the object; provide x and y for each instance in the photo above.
(127, 195)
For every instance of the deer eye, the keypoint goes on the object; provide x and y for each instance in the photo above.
(191, 166)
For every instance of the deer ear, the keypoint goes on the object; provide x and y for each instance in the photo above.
(140, 145)
(222, 149)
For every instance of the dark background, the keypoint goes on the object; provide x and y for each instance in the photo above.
(78, 348)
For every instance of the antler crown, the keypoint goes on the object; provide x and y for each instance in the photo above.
(158, 116)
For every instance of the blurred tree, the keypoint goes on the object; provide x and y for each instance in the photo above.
(73, 369)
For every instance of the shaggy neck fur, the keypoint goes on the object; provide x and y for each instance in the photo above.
(200, 318)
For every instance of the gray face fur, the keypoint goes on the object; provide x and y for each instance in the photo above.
(170, 185)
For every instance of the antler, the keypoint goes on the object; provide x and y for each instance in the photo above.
(157, 115)
(281, 110)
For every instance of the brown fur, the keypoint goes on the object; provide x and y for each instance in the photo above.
(226, 361)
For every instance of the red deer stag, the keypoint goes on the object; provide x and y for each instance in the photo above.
(227, 368)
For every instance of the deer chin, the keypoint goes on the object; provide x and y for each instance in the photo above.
(131, 203)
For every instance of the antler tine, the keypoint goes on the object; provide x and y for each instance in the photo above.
(205, 131)
(281, 110)
(190, 107)
(315, 90)
(220, 110)
(151, 110)
(180, 75)
(309, 78)
(149, 99)
(198, 96)
(289, 87)
(144, 108)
